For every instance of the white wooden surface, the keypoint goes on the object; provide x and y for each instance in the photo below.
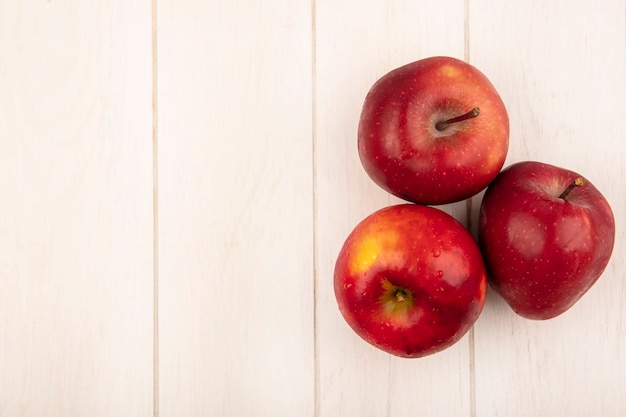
(177, 177)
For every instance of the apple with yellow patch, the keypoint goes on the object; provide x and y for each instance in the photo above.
(434, 131)
(410, 280)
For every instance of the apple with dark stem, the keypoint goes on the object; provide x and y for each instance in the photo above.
(434, 131)
(410, 280)
(547, 235)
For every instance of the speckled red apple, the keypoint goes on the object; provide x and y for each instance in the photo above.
(434, 131)
(547, 235)
(410, 280)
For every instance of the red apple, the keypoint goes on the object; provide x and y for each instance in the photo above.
(546, 234)
(410, 280)
(434, 131)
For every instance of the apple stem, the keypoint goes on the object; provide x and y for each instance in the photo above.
(578, 182)
(442, 125)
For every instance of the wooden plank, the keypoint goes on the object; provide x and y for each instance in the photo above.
(235, 209)
(76, 209)
(357, 42)
(560, 67)
(241, 332)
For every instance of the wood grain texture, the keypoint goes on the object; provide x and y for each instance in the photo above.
(75, 212)
(235, 209)
(258, 183)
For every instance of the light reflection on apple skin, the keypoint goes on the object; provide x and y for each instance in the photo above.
(569, 232)
(455, 265)
(526, 234)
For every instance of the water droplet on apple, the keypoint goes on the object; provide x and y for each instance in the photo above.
(436, 253)
(347, 286)
(439, 274)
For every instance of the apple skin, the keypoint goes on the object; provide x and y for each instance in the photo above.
(543, 252)
(410, 280)
(405, 154)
